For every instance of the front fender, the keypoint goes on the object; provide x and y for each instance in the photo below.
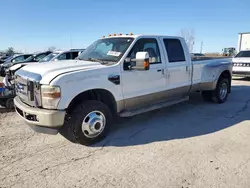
(73, 84)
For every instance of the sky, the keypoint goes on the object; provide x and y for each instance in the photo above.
(36, 25)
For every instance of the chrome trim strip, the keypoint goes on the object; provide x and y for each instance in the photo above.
(150, 99)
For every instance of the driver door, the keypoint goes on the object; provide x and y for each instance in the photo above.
(144, 87)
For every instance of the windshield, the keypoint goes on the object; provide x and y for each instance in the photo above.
(49, 57)
(109, 49)
(30, 58)
(243, 54)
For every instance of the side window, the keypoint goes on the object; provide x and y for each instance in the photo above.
(68, 55)
(64, 56)
(149, 45)
(41, 56)
(75, 54)
(26, 56)
(174, 50)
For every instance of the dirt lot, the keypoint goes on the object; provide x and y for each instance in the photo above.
(190, 145)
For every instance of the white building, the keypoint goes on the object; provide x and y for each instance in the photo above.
(244, 41)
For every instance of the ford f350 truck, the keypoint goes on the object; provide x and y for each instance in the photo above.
(122, 75)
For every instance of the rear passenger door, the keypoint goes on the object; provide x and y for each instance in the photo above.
(178, 71)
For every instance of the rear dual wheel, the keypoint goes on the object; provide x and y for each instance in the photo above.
(220, 94)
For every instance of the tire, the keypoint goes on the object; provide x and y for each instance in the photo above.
(10, 104)
(218, 97)
(207, 95)
(89, 123)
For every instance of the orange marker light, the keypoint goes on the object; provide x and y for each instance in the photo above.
(52, 95)
(146, 64)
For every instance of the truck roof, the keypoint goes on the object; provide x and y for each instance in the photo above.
(59, 51)
(140, 35)
(245, 32)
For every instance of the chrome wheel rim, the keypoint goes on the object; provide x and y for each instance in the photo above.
(93, 124)
(223, 91)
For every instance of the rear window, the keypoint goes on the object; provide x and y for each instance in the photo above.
(243, 54)
(174, 50)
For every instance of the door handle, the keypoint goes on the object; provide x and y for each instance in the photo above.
(161, 70)
(186, 68)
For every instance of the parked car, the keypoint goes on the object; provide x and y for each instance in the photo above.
(53, 56)
(37, 57)
(62, 55)
(3, 58)
(121, 75)
(11, 61)
(197, 55)
(241, 64)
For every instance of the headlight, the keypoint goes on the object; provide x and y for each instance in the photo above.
(51, 96)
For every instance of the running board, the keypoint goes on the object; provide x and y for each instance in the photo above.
(137, 111)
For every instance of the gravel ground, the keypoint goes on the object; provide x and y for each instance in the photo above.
(190, 145)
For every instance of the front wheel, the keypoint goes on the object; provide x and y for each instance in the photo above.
(89, 122)
(220, 94)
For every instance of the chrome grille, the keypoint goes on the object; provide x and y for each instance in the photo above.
(28, 87)
(241, 64)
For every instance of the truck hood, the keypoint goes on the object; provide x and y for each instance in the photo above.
(49, 70)
(19, 65)
(241, 60)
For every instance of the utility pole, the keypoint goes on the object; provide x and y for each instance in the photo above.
(70, 40)
(201, 47)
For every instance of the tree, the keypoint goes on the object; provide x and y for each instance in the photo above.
(10, 51)
(189, 37)
(51, 48)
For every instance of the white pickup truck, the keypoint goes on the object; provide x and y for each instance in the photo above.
(241, 64)
(122, 75)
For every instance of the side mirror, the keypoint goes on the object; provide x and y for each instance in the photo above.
(141, 62)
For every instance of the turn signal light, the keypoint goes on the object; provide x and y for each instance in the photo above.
(146, 64)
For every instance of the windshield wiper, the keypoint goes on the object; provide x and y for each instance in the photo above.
(98, 60)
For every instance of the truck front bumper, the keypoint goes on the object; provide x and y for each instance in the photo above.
(40, 120)
(241, 73)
